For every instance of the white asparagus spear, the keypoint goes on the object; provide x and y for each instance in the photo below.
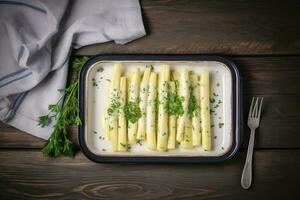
(151, 112)
(133, 91)
(196, 114)
(122, 122)
(113, 108)
(163, 118)
(172, 122)
(144, 90)
(187, 141)
(205, 110)
(183, 92)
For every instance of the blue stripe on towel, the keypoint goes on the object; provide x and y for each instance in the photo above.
(17, 102)
(23, 4)
(16, 79)
(13, 74)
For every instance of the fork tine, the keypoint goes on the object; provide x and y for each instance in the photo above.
(251, 107)
(260, 106)
(254, 113)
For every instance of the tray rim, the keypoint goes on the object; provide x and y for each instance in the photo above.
(236, 102)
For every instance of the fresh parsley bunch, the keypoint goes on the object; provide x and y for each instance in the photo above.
(66, 113)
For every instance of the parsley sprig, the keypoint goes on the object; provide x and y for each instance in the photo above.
(65, 113)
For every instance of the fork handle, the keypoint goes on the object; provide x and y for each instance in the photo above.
(247, 171)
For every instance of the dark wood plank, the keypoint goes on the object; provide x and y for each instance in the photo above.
(269, 75)
(11, 137)
(225, 27)
(28, 174)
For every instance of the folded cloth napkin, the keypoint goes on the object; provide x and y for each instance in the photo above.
(36, 37)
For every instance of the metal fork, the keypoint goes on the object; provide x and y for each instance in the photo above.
(253, 123)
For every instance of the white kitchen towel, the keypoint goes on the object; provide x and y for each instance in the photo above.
(36, 37)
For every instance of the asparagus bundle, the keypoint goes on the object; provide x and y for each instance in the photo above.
(159, 116)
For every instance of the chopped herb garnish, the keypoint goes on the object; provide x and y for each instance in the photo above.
(132, 111)
(95, 132)
(215, 137)
(103, 149)
(115, 104)
(212, 125)
(219, 102)
(174, 104)
(108, 80)
(192, 105)
(218, 84)
(215, 94)
(222, 148)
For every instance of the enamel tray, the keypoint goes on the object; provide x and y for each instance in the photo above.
(225, 118)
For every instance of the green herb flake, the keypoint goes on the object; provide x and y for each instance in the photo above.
(100, 69)
(216, 106)
(174, 105)
(221, 125)
(150, 66)
(139, 142)
(192, 105)
(95, 132)
(212, 100)
(123, 145)
(218, 84)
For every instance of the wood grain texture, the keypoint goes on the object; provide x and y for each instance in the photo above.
(27, 174)
(226, 27)
(275, 78)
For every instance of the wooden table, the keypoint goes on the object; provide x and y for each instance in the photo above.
(263, 39)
